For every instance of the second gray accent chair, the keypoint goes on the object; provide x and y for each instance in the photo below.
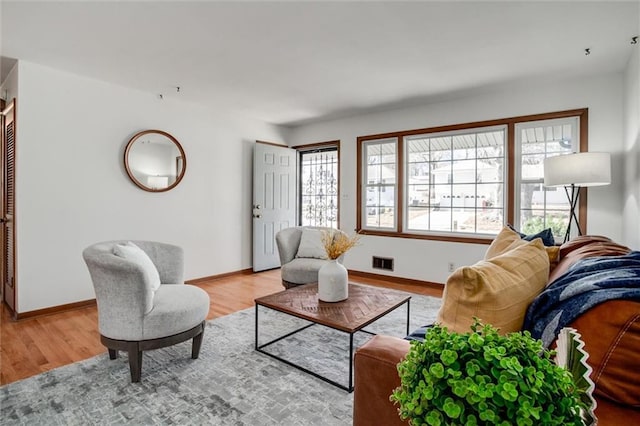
(298, 270)
(132, 315)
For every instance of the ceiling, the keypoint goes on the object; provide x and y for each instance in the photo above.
(292, 63)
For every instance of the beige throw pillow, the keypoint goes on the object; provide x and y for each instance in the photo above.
(508, 239)
(497, 291)
(311, 244)
(505, 240)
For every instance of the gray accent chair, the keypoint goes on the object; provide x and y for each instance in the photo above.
(134, 318)
(297, 271)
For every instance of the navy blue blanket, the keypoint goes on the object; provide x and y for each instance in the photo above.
(586, 284)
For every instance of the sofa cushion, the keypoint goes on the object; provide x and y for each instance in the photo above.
(497, 290)
(135, 254)
(311, 245)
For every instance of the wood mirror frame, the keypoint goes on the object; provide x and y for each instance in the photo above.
(145, 161)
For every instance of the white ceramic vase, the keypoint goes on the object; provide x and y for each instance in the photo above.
(332, 282)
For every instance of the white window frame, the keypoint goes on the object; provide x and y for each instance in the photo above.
(366, 185)
(518, 179)
(452, 233)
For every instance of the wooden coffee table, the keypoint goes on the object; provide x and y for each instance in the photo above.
(365, 305)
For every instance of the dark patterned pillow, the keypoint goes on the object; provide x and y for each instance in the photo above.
(545, 234)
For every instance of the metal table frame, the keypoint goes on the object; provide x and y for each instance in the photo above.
(348, 388)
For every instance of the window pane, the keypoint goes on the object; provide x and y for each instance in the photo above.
(490, 221)
(532, 196)
(463, 220)
(532, 166)
(534, 221)
(534, 148)
(464, 171)
(418, 150)
(418, 218)
(381, 174)
(557, 199)
(490, 195)
(374, 174)
(418, 172)
(382, 217)
(557, 220)
(441, 220)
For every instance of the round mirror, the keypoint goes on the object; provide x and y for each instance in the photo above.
(155, 160)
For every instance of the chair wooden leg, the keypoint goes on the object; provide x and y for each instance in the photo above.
(197, 343)
(135, 363)
(135, 348)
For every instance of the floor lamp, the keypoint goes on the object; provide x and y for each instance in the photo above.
(574, 171)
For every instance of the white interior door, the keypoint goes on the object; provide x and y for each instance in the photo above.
(274, 200)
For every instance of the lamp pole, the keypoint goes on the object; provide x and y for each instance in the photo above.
(573, 202)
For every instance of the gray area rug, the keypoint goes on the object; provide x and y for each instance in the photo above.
(230, 384)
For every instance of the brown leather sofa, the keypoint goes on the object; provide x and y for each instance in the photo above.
(611, 332)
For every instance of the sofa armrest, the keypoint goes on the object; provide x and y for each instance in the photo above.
(611, 335)
(376, 376)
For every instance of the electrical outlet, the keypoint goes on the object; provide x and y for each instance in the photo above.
(452, 267)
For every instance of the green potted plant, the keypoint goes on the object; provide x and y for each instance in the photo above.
(483, 377)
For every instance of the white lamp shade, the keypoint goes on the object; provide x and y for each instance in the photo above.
(580, 169)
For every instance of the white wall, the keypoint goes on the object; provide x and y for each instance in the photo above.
(427, 260)
(631, 212)
(72, 189)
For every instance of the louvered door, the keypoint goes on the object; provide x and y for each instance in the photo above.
(7, 199)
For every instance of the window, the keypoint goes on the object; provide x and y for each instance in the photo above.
(464, 182)
(380, 174)
(319, 184)
(542, 207)
(455, 181)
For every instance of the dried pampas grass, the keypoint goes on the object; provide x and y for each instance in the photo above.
(337, 243)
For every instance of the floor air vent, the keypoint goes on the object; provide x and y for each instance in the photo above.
(385, 263)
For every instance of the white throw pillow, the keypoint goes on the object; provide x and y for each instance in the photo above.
(311, 244)
(133, 253)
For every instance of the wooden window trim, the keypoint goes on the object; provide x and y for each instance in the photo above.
(581, 113)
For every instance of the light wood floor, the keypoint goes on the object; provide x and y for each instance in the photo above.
(35, 345)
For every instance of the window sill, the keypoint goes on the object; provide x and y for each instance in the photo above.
(448, 238)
